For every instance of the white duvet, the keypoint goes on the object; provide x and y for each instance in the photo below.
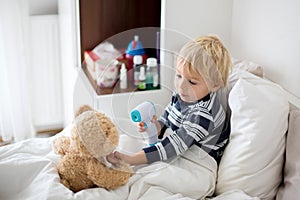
(28, 171)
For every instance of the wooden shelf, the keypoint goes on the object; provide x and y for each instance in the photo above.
(112, 90)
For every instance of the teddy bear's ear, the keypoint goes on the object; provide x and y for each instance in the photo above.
(82, 109)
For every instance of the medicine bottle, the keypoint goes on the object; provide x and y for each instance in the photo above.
(137, 63)
(123, 77)
(151, 74)
(142, 79)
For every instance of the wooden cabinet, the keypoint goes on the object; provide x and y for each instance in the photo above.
(117, 21)
(102, 19)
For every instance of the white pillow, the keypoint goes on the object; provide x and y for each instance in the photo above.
(291, 184)
(253, 159)
(237, 74)
(249, 66)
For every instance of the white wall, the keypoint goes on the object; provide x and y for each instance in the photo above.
(268, 32)
(193, 18)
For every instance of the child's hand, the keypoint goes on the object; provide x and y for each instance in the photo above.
(116, 157)
(154, 119)
(112, 158)
(121, 156)
(141, 125)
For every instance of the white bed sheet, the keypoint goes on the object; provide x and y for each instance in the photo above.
(28, 171)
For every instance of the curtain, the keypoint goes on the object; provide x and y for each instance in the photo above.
(15, 111)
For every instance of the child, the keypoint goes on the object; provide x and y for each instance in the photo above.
(195, 115)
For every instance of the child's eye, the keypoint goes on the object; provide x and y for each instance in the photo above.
(178, 75)
(192, 82)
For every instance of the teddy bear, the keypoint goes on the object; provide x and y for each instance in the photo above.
(83, 161)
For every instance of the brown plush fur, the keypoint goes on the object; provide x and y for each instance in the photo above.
(93, 137)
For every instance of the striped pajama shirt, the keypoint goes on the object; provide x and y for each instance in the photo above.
(202, 123)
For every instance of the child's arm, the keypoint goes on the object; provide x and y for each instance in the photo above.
(136, 159)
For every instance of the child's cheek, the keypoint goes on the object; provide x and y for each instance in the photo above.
(176, 84)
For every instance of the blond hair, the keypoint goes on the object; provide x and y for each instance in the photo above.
(208, 57)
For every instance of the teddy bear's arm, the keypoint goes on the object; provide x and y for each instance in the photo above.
(106, 177)
(61, 145)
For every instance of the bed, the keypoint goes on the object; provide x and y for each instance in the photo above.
(260, 161)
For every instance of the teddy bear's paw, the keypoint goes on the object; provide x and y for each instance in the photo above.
(107, 178)
(123, 166)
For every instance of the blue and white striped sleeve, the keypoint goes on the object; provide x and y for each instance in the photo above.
(164, 124)
(194, 128)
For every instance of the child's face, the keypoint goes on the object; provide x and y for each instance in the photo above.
(190, 86)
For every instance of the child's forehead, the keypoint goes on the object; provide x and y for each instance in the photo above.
(182, 63)
(185, 68)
